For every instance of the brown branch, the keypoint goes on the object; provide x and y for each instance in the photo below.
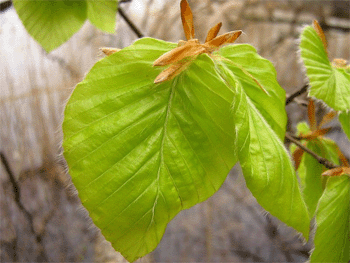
(321, 160)
(130, 23)
(288, 21)
(296, 94)
(42, 257)
(301, 102)
(5, 5)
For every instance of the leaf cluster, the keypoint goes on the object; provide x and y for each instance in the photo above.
(155, 128)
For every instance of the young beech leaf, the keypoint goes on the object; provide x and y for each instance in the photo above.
(258, 77)
(53, 22)
(266, 165)
(102, 14)
(140, 152)
(329, 83)
(332, 242)
(141, 148)
(309, 169)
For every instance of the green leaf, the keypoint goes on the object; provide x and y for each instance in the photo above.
(332, 238)
(138, 152)
(266, 165)
(310, 169)
(271, 107)
(102, 14)
(303, 128)
(344, 119)
(53, 22)
(330, 84)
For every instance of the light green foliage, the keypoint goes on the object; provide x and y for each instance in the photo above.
(310, 170)
(332, 239)
(344, 118)
(140, 152)
(271, 106)
(53, 22)
(102, 14)
(314, 181)
(266, 165)
(328, 83)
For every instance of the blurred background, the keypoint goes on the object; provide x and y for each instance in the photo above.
(41, 218)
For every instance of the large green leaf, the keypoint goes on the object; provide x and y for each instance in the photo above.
(138, 152)
(266, 165)
(332, 238)
(328, 83)
(53, 22)
(344, 119)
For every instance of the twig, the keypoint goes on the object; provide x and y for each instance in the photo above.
(301, 102)
(288, 21)
(296, 94)
(16, 189)
(5, 5)
(63, 64)
(321, 160)
(131, 25)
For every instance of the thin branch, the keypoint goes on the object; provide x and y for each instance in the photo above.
(5, 5)
(295, 137)
(301, 102)
(131, 24)
(17, 192)
(321, 160)
(325, 27)
(296, 94)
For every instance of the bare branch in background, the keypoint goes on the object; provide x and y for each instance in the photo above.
(296, 94)
(5, 5)
(130, 23)
(324, 26)
(17, 192)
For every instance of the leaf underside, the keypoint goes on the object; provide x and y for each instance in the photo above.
(53, 22)
(140, 152)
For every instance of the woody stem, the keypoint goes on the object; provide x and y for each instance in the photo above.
(321, 160)
(296, 94)
(130, 23)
